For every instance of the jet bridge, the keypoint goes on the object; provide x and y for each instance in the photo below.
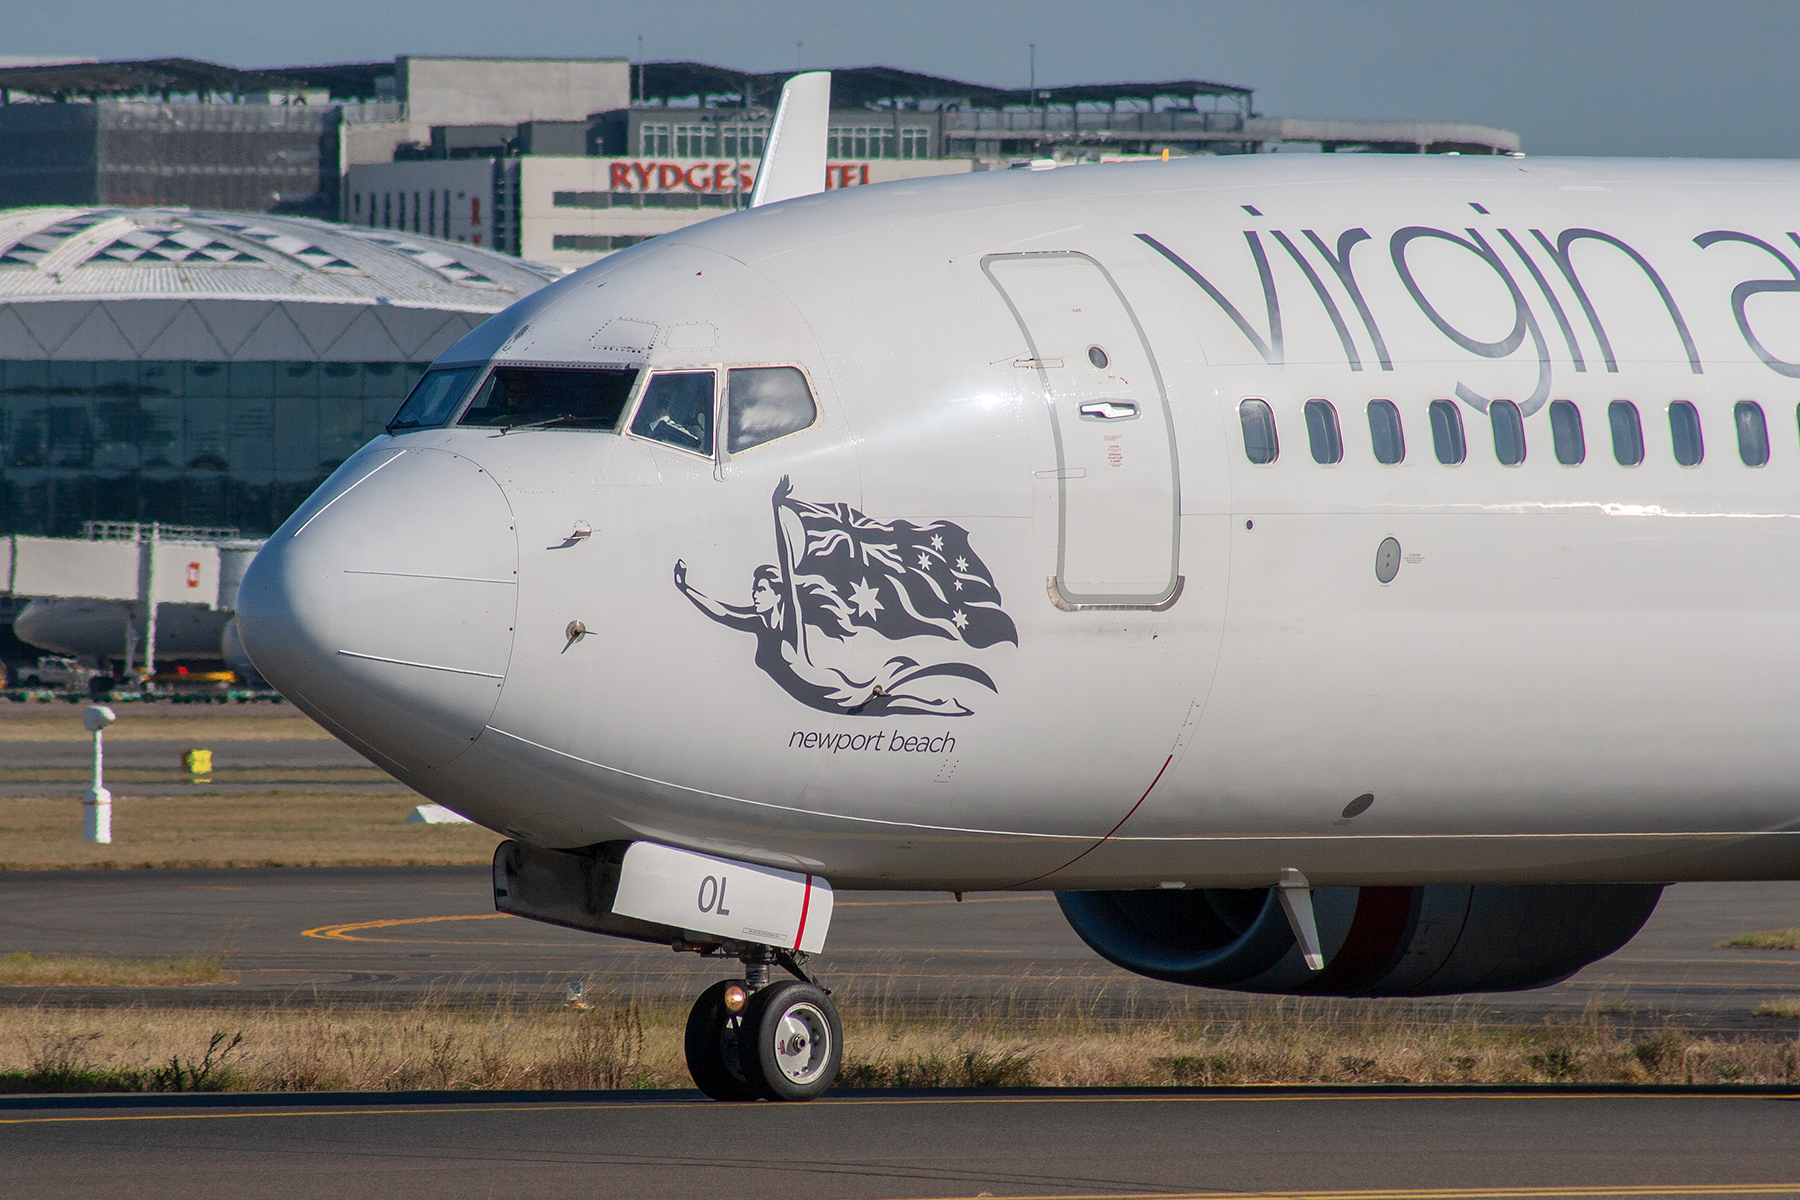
(136, 568)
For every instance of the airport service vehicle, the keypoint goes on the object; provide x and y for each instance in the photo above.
(1337, 575)
(54, 671)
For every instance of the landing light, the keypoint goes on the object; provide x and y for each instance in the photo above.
(735, 998)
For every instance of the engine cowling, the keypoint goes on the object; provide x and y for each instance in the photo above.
(1378, 941)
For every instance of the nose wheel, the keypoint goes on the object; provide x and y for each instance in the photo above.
(793, 1042)
(780, 1041)
(713, 1030)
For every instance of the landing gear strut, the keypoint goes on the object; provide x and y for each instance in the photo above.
(780, 1041)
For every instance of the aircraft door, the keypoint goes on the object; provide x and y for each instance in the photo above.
(1118, 509)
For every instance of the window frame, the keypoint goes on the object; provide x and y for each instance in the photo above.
(1637, 426)
(1442, 404)
(1399, 431)
(1699, 434)
(1762, 422)
(1556, 440)
(1274, 432)
(1336, 428)
(642, 389)
(488, 368)
(722, 415)
(1494, 431)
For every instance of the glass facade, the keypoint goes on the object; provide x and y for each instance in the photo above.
(190, 443)
(877, 141)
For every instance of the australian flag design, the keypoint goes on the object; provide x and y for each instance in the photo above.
(897, 578)
(845, 589)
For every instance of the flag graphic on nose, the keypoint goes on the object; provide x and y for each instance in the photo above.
(844, 586)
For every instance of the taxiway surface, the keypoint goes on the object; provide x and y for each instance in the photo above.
(1346, 1145)
(295, 934)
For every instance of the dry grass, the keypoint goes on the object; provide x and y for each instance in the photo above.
(64, 725)
(433, 1046)
(275, 829)
(1765, 939)
(1785, 1008)
(1306, 1042)
(121, 778)
(521, 1042)
(30, 970)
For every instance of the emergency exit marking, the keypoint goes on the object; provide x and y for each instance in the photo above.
(712, 891)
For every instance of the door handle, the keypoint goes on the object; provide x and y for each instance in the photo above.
(1109, 410)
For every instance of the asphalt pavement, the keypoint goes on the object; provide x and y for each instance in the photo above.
(378, 934)
(1324, 1145)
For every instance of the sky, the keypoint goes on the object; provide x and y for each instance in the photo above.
(1613, 77)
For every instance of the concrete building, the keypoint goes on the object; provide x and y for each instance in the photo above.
(479, 92)
(207, 368)
(568, 211)
(181, 132)
(569, 191)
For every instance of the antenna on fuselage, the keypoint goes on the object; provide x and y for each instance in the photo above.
(793, 161)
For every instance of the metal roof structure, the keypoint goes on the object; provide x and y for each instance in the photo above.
(128, 283)
(852, 87)
(345, 81)
(856, 87)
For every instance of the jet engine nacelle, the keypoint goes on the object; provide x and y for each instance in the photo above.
(1377, 941)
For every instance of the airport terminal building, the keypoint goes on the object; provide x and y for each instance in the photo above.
(211, 369)
(563, 161)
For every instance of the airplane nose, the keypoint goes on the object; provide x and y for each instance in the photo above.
(385, 605)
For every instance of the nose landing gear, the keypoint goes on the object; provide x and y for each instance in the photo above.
(752, 1039)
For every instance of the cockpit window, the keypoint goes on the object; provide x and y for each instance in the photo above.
(765, 403)
(551, 398)
(434, 399)
(677, 409)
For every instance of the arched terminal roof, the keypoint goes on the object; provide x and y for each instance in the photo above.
(122, 283)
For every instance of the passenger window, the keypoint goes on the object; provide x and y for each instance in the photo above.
(434, 399)
(1385, 432)
(1627, 432)
(677, 410)
(1509, 432)
(1753, 433)
(1565, 433)
(1684, 432)
(766, 403)
(1447, 432)
(552, 397)
(1260, 446)
(1322, 431)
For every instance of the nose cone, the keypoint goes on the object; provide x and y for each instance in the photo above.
(385, 605)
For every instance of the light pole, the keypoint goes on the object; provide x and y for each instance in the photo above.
(96, 804)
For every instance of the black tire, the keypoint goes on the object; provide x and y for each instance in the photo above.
(792, 1042)
(712, 1047)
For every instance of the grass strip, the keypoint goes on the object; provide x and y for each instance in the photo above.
(21, 969)
(1765, 939)
(65, 726)
(277, 828)
(522, 1041)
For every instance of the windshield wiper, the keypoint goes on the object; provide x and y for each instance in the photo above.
(505, 429)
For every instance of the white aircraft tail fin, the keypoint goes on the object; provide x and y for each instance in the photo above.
(793, 163)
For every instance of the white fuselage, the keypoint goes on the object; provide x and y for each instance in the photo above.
(1579, 672)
